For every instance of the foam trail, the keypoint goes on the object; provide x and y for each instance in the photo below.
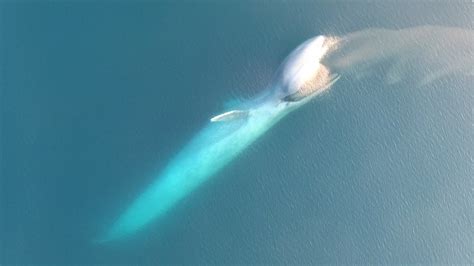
(420, 54)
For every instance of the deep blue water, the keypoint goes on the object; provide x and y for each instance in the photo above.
(95, 97)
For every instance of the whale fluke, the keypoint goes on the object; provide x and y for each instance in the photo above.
(231, 115)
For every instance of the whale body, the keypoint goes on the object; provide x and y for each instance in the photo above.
(300, 78)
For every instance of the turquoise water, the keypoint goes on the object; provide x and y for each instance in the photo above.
(97, 97)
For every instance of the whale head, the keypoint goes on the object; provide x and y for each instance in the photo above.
(299, 78)
(302, 75)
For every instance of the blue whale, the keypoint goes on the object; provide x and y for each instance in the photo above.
(300, 78)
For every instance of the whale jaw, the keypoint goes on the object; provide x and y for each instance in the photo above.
(302, 74)
(302, 94)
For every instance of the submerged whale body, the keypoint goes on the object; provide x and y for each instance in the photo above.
(300, 77)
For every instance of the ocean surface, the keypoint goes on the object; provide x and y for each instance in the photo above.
(96, 97)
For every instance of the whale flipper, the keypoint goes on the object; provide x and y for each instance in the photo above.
(230, 115)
